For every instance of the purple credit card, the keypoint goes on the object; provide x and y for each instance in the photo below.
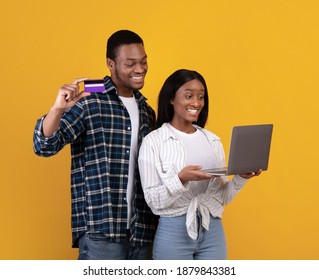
(94, 86)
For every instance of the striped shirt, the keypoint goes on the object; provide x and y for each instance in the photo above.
(99, 130)
(162, 156)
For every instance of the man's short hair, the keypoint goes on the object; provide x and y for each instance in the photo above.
(121, 37)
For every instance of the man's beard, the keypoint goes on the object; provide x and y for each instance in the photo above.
(125, 84)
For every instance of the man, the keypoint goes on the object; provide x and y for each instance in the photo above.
(110, 219)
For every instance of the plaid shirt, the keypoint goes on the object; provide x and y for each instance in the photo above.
(98, 128)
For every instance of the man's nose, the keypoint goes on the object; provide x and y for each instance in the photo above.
(139, 68)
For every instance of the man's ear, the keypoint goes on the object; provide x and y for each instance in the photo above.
(110, 63)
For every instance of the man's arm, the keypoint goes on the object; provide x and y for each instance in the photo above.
(67, 96)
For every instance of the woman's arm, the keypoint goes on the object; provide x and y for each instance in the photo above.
(160, 181)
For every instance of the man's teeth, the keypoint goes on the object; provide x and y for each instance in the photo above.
(137, 77)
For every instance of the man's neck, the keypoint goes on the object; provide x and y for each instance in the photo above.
(126, 94)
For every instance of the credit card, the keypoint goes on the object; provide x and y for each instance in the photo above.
(94, 85)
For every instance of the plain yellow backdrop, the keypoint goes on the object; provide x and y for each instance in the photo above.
(260, 61)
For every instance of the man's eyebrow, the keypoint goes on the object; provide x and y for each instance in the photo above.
(131, 58)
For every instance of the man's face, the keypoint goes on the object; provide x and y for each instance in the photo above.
(129, 68)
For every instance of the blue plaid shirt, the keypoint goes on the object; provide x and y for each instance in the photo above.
(98, 128)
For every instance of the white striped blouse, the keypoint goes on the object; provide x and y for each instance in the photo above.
(161, 157)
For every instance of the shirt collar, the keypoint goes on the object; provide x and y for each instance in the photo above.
(166, 132)
(109, 88)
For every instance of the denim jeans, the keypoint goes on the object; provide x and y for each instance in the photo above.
(173, 243)
(96, 246)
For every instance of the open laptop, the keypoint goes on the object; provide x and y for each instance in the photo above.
(249, 150)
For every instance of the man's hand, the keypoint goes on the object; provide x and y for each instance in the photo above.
(68, 95)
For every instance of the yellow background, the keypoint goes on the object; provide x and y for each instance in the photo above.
(260, 61)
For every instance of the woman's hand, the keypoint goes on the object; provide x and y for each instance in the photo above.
(193, 173)
(250, 175)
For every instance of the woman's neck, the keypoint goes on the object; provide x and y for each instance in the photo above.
(186, 128)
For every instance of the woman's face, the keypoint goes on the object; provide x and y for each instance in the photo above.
(188, 103)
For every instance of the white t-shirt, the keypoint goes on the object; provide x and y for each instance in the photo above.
(132, 108)
(199, 152)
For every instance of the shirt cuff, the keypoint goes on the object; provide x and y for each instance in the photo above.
(43, 140)
(171, 180)
(239, 181)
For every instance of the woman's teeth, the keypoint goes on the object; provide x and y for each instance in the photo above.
(192, 111)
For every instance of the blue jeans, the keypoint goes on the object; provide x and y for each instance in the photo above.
(173, 243)
(96, 246)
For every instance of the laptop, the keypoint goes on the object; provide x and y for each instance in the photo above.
(249, 150)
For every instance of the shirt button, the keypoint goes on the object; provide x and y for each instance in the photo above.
(127, 151)
(128, 128)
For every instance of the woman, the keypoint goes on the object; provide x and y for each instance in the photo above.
(188, 201)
